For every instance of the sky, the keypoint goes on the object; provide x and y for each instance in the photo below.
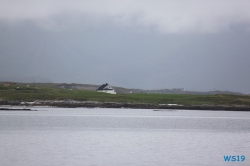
(200, 45)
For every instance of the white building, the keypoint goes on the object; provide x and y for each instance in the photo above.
(106, 88)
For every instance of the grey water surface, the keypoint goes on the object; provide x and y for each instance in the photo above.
(112, 137)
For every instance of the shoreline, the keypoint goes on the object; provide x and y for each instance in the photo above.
(16, 109)
(95, 104)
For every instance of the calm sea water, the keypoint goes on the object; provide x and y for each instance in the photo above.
(112, 137)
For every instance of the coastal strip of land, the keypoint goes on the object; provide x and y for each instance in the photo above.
(55, 96)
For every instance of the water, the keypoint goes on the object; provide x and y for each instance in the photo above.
(111, 137)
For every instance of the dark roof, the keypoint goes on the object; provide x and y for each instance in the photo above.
(103, 87)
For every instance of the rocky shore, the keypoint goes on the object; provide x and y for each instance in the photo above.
(16, 109)
(95, 104)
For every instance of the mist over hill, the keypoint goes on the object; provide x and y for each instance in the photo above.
(25, 79)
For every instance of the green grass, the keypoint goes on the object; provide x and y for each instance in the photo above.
(49, 92)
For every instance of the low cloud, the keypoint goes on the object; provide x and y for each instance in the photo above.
(179, 16)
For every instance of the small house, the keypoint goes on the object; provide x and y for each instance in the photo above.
(106, 88)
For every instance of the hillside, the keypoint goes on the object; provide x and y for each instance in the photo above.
(128, 90)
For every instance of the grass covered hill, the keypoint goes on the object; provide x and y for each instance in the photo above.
(32, 92)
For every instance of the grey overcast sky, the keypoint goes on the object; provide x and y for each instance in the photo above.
(193, 44)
